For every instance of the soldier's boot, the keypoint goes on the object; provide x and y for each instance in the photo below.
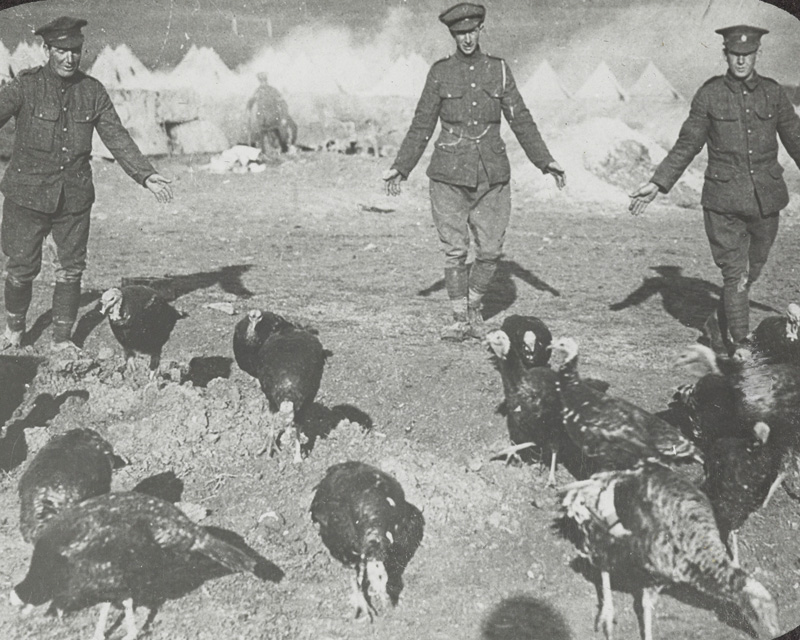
(458, 331)
(17, 300)
(66, 301)
(737, 313)
(455, 280)
(480, 276)
(477, 327)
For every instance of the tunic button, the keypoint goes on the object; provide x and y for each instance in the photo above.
(472, 67)
(750, 151)
(63, 148)
(744, 92)
(62, 168)
(474, 122)
(472, 85)
(751, 171)
(64, 109)
(474, 104)
(64, 129)
(747, 110)
(749, 131)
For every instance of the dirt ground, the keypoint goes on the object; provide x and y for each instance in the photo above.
(314, 238)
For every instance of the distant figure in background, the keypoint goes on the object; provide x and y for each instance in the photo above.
(469, 170)
(268, 118)
(739, 115)
(48, 183)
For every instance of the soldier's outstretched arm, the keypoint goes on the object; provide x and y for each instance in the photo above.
(560, 176)
(392, 179)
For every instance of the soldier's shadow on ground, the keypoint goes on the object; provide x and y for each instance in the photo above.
(203, 369)
(503, 288)
(688, 299)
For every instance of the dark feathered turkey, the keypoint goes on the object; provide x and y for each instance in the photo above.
(112, 549)
(707, 407)
(741, 475)
(68, 469)
(532, 400)
(141, 320)
(653, 525)
(776, 337)
(531, 337)
(289, 370)
(611, 432)
(250, 333)
(366, 523)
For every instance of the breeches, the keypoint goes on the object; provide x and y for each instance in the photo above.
(23, 230)
(485, 210)
(740, 247)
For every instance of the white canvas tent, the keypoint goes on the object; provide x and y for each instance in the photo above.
(601, 87)
(653, 85)
(120, 69)
(27, 55)
(202, 70)
(544, 86)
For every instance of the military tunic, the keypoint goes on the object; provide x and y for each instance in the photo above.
(741, 122)
(469, 94)
(55, 120)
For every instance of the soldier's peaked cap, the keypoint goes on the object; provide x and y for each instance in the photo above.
(63, 32)
(463, 17)
(742, 39)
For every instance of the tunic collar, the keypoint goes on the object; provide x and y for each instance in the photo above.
(53, 76)
(734, 84)
(475, 57)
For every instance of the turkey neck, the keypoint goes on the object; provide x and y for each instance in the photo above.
(568, 373)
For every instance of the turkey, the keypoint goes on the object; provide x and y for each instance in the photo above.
(762, 392)
(612, 433)
(366, 523)
(250, 333)
(67, 470)
(522, 617)
(533, 404)
(776, 337)
(141, 320)
(289, 369)
(741, 476)
(113, 549)
(531, 337)
(652, 524)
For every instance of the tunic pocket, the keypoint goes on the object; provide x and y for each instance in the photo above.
(720, 174)
(42, 128)
(83, 127)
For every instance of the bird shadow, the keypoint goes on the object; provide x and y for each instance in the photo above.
(172, 287)
(318, 421)
(523, 617)
(46, 319)
(688, 299)
(630, 580)
(502, 292)
(203, 369)
(16, 373)
(165, 485)
(13, 447)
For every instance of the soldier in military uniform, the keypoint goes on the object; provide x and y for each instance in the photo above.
(48, 183)
(469, 171)
(269, 120)
(740, 116)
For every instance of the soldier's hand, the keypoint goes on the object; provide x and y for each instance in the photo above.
(392, 179)
(560, 176)
(159, 186)
(643, 196)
